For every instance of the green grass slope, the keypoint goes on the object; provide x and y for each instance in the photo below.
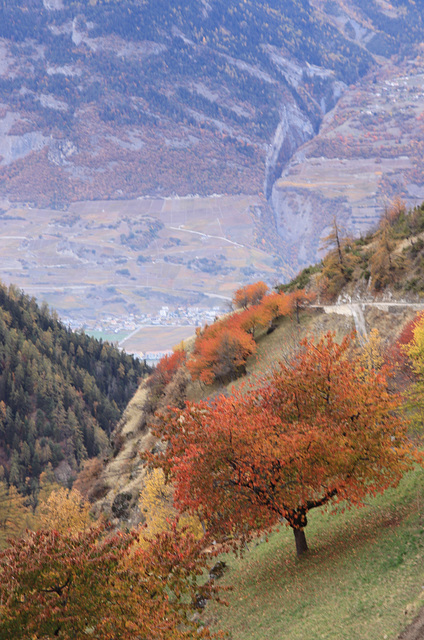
(361, 579)
(363, 576)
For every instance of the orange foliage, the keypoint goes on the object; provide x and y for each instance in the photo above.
(254, 318)
(277, 305)
(317, 432)
(250, 295)
(221, 350)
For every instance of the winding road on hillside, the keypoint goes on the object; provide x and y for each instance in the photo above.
(356, 310)
(206, 235)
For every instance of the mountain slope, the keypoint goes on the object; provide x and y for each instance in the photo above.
(130, 98)
(378, 284)
(125, 98)
(61, 393)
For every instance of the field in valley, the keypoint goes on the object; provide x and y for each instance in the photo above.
(112, 265)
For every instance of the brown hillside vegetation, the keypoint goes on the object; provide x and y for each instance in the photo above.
(387, 263)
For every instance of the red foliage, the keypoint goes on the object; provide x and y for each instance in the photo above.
(166, 368)
(317, 432)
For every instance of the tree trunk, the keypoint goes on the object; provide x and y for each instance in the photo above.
(300, 539)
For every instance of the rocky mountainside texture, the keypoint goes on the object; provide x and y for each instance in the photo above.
(129, 98)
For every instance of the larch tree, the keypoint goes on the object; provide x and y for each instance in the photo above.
(338, 264)
(335, 240)
(316, 433)
(415, 350)
(385, 261)
(64, 510)
(15, 516)
(157, 503)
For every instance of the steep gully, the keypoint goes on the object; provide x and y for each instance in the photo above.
(297, 126)
(294, 129)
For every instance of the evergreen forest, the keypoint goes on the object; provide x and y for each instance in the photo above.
(61, 393)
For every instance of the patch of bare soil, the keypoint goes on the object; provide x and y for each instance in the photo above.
(415, 631)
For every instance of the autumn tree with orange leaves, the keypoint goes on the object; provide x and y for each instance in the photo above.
(318, 432)
(251, 294)
(97, 584)
(221, 350)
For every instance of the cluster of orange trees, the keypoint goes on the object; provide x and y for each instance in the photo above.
(221, 349)
(321, 430)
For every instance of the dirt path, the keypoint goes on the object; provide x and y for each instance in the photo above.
(415, 631)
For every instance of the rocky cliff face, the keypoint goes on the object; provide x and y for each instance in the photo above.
(367, 148)
(367, 152)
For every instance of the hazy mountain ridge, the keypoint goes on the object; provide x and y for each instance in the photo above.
(117, 98)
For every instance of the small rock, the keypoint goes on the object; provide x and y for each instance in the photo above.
(199, 602)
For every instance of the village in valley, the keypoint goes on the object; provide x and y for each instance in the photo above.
(187, 319)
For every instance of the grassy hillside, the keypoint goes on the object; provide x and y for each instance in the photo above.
(362, 577)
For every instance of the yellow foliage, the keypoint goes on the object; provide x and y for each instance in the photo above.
(64, 511)
(415, 394)
(157, 503)
(370, 355)
(48, 484)
(415, 349)
(15, 517)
